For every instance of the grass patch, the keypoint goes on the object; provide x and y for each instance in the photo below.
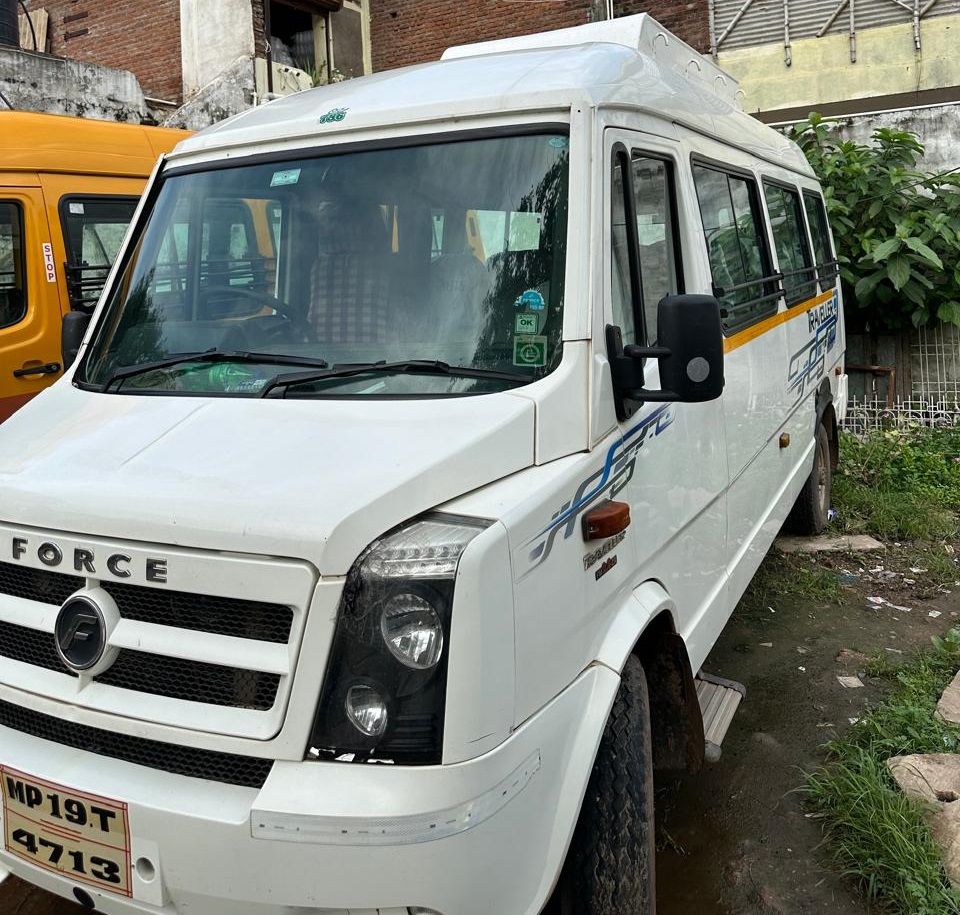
(876, 834)
(794, 576)
(901, 483)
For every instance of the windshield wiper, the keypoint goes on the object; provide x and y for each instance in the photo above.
(209, 355)
(411, 366)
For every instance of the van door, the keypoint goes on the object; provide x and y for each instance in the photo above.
(755, 358)
(29, 302)
(671, 464)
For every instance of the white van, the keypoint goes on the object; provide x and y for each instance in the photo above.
(428, 431)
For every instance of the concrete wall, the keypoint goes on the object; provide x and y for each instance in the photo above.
(213, 36)
(937, 126)
(36, 82)
(143, 37)
(822, 73)
(231, 92)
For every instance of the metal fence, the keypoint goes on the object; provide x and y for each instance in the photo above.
(865, 416)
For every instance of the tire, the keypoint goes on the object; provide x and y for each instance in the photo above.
(809, 513)
(610, 866)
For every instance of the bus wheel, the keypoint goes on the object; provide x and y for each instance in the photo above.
(810, 512)
(610, 866)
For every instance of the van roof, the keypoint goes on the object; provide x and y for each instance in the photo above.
(632, 62)
(56, 143)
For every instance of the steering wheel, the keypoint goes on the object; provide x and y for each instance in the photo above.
(284, 309)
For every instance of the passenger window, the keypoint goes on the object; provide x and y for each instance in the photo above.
(739, 263)
(790, 241)
(820, 233)
(93, 230)
(13, 300)
(653, 204)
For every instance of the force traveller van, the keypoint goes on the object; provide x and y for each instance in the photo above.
(367, 556)
(68, 189)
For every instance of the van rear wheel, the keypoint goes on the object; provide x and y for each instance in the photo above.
(610, 866)
(810, 512)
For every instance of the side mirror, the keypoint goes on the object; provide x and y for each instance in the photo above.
(72, 332)
(690, 353)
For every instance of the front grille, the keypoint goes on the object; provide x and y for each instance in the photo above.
(228, 768)
(29, 646)
(37, 584)
(194, 681)
(244, 619)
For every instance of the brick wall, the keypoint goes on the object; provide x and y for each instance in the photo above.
(406, 33)
(687, 20)
(143, 37)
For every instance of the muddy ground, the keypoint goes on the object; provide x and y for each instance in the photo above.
(736, 839)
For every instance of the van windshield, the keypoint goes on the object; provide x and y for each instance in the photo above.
(426, 270)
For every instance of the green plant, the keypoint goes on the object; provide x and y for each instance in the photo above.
(876, 834)
(902, 482)
(897, 229)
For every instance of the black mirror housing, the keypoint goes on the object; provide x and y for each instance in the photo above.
(689, 327)
(689, 350)
(72, 331)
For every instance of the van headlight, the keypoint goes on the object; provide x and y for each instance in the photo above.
(384, 692)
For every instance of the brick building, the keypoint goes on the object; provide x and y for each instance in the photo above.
(175, 48)
(405, 32)
(143, 38)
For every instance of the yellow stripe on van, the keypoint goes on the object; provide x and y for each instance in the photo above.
(761, 327)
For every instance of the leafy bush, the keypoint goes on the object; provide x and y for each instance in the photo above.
(897, 229)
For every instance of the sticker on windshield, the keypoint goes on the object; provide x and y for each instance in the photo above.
(559, 142)
(530, 351)
(77, 209)
(526, 324)
(287, 176)
(530, 299)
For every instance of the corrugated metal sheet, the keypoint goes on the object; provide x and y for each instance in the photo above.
(762, 23)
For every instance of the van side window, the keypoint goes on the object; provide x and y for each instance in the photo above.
(653, 202)
(93, 229)
(790, 242)
(827, 271)
(13, 300)
(739, 263)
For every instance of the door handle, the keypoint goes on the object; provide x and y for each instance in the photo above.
(51, 368)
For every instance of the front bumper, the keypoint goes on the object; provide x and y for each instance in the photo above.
(332, 838)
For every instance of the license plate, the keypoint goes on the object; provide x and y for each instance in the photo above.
(81, 836)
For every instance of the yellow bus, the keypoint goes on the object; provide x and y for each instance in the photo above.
(68, 189)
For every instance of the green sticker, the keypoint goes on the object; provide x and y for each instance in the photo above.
(526, 324)
(333, 116)
(530, 351)
(288, 176)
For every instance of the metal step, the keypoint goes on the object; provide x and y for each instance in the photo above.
(719, 699)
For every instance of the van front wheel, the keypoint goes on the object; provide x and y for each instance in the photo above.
(810, 513)
(610, 866)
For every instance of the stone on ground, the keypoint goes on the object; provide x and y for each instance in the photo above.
(856, 543)
(935, 778)
(948, 708)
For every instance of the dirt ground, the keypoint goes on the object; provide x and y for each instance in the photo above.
(736, 839)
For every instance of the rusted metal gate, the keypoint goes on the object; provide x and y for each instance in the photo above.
(743, 23)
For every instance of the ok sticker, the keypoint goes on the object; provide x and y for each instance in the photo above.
(526, 324)
(530, 351)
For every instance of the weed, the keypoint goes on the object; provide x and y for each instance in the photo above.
(792, 576)
(900, 483)
(878, 835)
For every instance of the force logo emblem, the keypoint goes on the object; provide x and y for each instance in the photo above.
(82, 632)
